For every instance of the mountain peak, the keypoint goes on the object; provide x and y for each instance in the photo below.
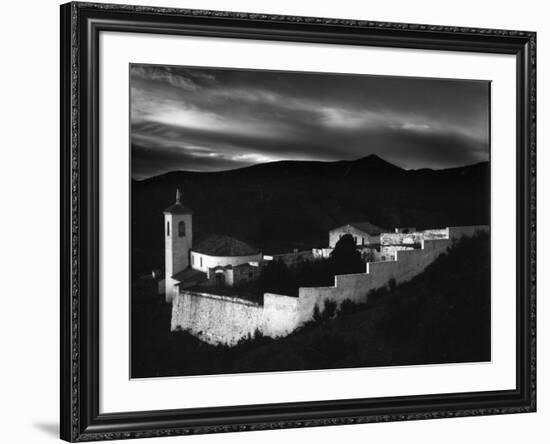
(371, 157)
(375, 161)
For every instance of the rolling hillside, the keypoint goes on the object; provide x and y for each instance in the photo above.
(292, 204)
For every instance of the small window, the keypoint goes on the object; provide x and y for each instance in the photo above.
(168, 228)
(201, 261)
(181, 229)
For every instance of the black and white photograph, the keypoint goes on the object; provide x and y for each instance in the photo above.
(280, 218)
(232, 222)
(285, 221)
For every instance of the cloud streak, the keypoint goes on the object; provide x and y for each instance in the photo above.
(202, 119)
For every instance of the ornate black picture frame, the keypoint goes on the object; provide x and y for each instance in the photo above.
(81, 25)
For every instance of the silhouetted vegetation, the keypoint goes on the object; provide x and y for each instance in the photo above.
(345, 257)
(277, 277)
(327, 314)
(441, 316)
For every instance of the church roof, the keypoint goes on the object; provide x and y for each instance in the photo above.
(365, 227)
(221, 245)
(178, 208)
(189, 274)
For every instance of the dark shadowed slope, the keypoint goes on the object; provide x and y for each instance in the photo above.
(441, 316)
(292, 204)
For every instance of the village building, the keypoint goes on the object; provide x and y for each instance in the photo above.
(405, 230)
(364, 233)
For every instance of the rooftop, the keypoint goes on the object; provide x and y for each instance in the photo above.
(366, 227)
(222, 245)
(178, 208)
(189, 274)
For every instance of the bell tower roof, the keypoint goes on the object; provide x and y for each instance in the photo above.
(177, 207)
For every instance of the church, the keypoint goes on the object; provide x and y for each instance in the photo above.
(217, 260)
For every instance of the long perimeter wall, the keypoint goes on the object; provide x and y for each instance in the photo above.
(227, 320)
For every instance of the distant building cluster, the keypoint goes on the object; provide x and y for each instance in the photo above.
(199, 271)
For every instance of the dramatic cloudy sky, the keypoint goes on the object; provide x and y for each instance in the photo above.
(216, 119)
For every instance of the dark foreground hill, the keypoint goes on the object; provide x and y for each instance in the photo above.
(442, 316)
(292, 204)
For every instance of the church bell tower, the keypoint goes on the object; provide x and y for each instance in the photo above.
(178, 236)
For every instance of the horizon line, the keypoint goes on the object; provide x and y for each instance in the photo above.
(310, 161)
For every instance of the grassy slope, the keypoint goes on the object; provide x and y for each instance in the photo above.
(442, 316)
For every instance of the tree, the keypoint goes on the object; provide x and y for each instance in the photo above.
(276, 277)
(345, 257)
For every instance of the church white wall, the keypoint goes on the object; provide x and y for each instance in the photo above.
(202, 262)
(176, 248)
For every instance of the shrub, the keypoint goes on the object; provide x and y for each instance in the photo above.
(330, 310)
(347, 307)
(317, 314)
(328, 313)
(345, 257)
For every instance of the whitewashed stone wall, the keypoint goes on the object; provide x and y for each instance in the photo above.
(226, 320)
(407, 265)
(176, 248)
(280, 316)
(215, 319)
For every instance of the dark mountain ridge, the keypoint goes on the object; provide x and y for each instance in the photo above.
(284, 205)
(371, 162)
